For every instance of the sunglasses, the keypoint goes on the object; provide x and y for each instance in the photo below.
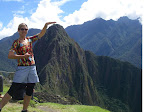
(22, 29)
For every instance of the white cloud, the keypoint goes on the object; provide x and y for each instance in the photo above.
(106, 9)
(11, 28)
(46, 11)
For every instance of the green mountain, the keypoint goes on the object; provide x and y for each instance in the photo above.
(65, 69)
(121, 39)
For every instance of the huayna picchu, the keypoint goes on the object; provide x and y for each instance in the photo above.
(65, 69)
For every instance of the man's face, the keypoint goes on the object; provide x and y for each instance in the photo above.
(23, 31)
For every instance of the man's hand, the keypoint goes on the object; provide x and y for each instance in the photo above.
(12, 55)
(27, 55)
(48, 23)
(43, 31)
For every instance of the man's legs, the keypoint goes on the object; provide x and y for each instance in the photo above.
(5, 100)
(28, 96)
(26, 102)
(7, 96)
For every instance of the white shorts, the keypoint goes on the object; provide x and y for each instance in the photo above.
(26, 74)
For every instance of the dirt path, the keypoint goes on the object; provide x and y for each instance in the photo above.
(47, 109)
(43, 108)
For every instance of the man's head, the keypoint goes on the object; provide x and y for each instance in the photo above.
(22, 25)
(22, 29)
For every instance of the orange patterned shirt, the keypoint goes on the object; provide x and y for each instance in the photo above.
(22, 49)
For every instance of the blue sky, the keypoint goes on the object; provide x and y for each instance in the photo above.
(25, 8)
(65, 12)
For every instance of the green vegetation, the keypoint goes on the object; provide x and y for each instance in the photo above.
(40, 107)
(15, 107)
(5, 89)
(74, 108)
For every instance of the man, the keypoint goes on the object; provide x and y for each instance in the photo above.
(25, 76)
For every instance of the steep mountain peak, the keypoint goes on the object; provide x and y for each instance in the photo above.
(56, 33)
(95, 21)
(126, 20)
(61, 65)
(55, 43)
(55, 28)
(123, 18)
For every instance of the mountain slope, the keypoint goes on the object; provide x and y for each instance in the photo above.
(116, 39)
(119, 80)
(66, 69)
(60, 66)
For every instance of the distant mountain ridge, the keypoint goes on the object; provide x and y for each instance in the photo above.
(66, 69)
(121, 39)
